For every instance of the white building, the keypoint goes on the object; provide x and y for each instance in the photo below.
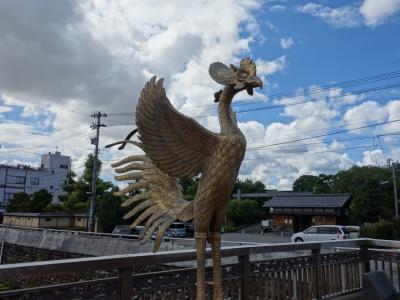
(51, 175)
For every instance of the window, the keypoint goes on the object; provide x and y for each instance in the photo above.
(64, 167)
(20, 180)
(8, 196)
(48, 219)
(34, 181)
(328, 230)
(51, 187)
(78, 219)
(312, 230)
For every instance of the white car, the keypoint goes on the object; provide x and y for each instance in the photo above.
(321, 233)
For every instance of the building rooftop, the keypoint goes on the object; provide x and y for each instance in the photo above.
(44, 214)
(270, 193)
(308, 200)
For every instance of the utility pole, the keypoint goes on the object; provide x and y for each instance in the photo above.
(396, 203)
(95, 141)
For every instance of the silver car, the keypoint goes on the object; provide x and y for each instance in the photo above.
(321, 233)
(177, 229)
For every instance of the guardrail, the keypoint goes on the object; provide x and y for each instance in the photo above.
(316, 272)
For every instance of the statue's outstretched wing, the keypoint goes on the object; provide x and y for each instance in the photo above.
(177, 145)
(158, 200)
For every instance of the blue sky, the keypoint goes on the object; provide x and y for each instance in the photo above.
(59, 63)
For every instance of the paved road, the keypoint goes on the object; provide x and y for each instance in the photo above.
(236, 238)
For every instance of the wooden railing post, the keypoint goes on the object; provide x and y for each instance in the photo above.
(245, 270)
(318, 268)
(126, 283)
(364, 253)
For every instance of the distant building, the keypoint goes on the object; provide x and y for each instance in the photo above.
(50, 175)
(54, 220)
(267, 195)
(295, 212)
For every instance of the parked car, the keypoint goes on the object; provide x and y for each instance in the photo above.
(189, 229)
(122, 229)
(321, 233)
(177, 229)
(354, 231)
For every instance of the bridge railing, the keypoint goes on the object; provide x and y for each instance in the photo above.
(303, 271)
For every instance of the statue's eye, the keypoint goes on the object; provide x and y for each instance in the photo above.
(243, 75)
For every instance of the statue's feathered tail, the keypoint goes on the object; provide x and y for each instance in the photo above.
(157, 197)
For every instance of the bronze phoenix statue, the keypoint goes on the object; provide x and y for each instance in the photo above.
(176, 146)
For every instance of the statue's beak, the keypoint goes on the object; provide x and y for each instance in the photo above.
(256, 82)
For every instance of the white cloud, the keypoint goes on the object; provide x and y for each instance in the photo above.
(344, 16)
(370, 112)
(265, 67)
(277, 8)
(286, 42)
(376, 12)
(369, 13)
(60, 62)
(373, 157)
(4, 109)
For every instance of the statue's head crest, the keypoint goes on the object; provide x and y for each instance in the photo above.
(244, 77)
(249, 66)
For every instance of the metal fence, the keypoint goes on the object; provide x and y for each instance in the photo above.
(306, 271)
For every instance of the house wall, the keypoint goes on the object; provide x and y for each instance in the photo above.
(284, 222)
(80, 222)
(54, 222)
(324, 220)
(21, 221)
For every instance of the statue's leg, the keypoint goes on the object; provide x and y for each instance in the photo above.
(215, 240)
(201, 264)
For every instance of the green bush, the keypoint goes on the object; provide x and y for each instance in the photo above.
(242, 212)
(386, 230)
(229, 228)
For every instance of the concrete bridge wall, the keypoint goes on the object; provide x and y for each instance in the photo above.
(72, 242)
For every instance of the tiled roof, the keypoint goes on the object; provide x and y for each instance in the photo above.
(316, 200)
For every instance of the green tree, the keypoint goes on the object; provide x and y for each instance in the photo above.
(189, 187)
(372, 199)
(109, 212)
(19, 203)
(316, 184)
(39, 201)
(248, 186)
(241, 212)
(88, 171)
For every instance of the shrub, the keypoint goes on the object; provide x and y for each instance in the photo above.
(387, 230)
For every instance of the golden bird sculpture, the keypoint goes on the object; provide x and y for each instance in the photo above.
(176, 146)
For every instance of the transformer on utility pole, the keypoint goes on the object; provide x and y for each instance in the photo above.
(95, 141)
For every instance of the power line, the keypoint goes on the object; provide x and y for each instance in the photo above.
(379, 88)
(369, 90)
(314, 143)
(296, 93)
(306, 152)
(328, 134)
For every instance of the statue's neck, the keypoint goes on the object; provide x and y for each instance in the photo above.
(227, 120)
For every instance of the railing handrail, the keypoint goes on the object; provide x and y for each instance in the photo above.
(26, 270)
